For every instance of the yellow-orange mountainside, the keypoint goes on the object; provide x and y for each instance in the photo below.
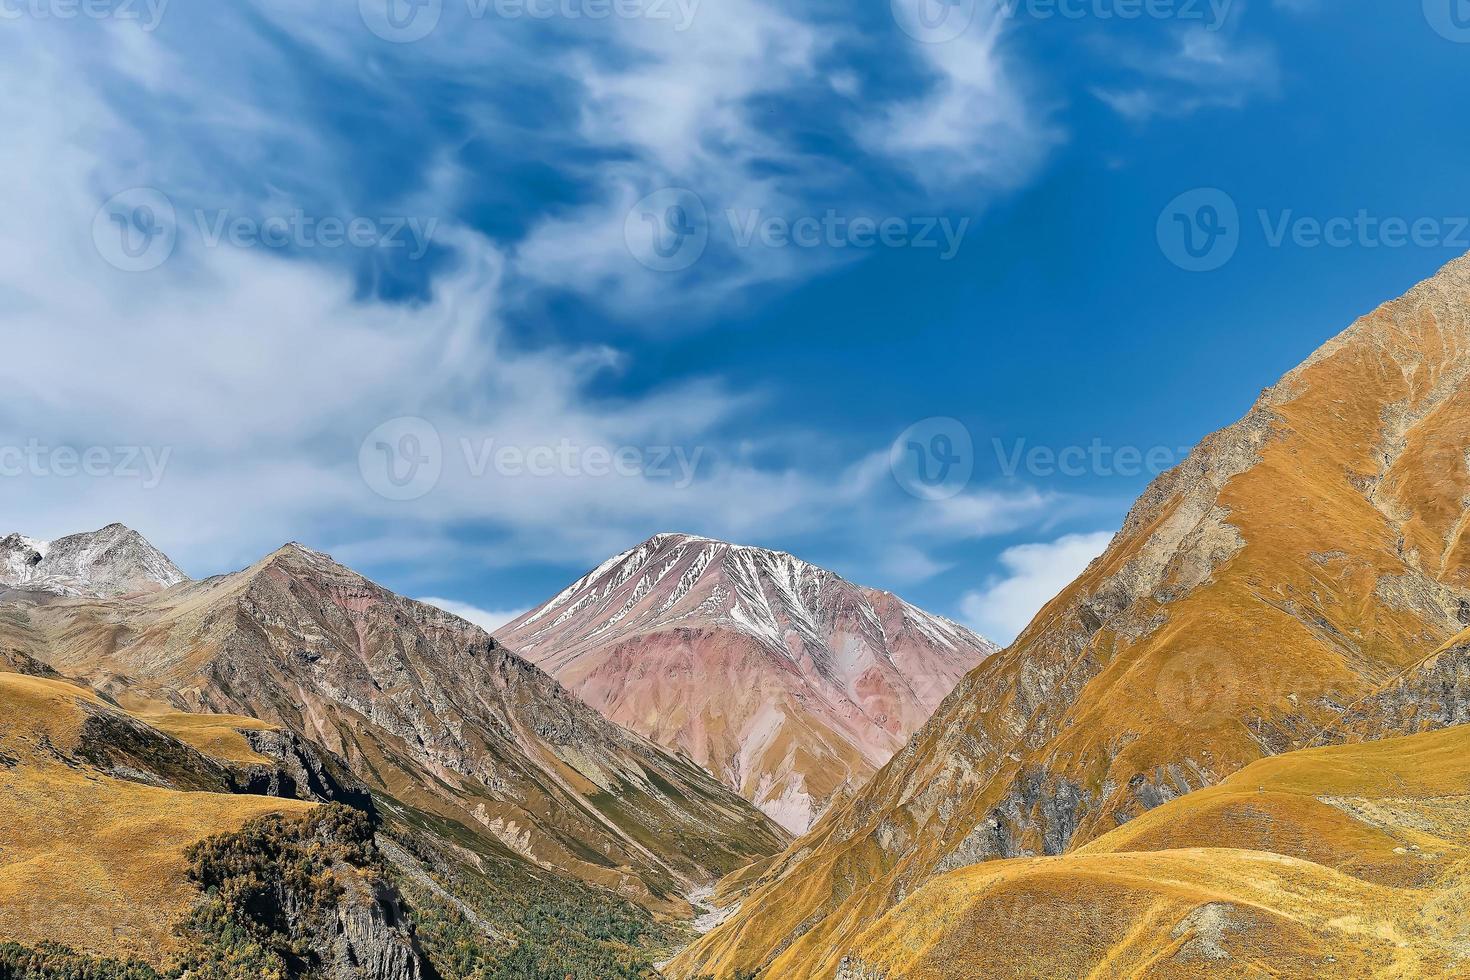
(1302, 579)
(1297, 866)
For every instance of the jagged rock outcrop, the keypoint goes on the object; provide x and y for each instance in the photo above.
(789, 683)
(370, 942)
(301, 772)
(1294, 565)
(308, 897)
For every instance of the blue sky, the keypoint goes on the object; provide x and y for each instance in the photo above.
(687, 266)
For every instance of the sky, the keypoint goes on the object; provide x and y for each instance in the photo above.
(473, 294)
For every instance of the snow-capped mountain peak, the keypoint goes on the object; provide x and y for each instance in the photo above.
(112, 561)
(728, 652)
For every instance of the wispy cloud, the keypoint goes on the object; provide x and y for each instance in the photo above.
(1200, 69)
(975, 122)
(261, 371)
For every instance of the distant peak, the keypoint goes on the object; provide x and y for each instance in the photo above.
(112, 560)
(296, 551)
(666, 539)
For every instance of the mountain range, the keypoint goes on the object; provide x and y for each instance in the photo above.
(1236, 745)
(787, 682)
(478, 759)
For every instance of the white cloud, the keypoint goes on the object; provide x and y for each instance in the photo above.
(974, 124)
(487, 619)
(1203, 68)
(1036, 574)
(260, 373)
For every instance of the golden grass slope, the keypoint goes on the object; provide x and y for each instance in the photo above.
(1343, 862)
(1295, 564)
(88, 860)
(217, 736)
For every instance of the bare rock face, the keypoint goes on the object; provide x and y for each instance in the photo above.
(1432, 695)
(1295, 565)
(301, 772)
(423, 707)
(113, 561)
(787, 682)
(370, 939)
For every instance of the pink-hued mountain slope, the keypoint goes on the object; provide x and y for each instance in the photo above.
(789, 683)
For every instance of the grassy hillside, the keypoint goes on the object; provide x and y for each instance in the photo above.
(87, 859)
(1348, 861)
